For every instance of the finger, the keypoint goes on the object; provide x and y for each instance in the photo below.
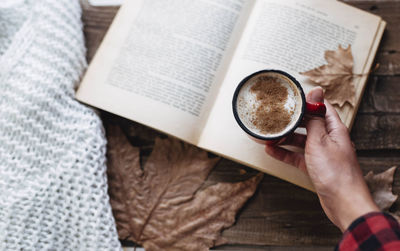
(335, 127)
(295, 139)
(273, 142)
(316, 95)
(316, 128)
(286, 156)
(333, 121)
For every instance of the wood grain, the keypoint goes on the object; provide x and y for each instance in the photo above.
(96, 21)
(271, 248)
(280, 213)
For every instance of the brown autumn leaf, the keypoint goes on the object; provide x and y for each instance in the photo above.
(161, 206)
(336, 77)
(380, 186)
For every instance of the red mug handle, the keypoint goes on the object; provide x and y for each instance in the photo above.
(316, 109)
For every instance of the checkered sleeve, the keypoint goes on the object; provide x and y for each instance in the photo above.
(373, 231)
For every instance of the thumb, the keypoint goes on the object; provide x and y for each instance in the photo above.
(315, 125)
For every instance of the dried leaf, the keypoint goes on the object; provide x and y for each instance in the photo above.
(380, 186)
(161, 206)
(336, 77)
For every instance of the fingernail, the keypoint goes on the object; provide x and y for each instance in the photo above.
(317, 95)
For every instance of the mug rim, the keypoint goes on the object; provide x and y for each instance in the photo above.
(244, 81)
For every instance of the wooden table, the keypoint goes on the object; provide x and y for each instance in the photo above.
(282, 216)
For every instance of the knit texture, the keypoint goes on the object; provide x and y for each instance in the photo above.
(53, 186)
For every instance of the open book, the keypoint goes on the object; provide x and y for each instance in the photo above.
(173, 65)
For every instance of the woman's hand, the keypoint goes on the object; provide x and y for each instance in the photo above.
(331, 162)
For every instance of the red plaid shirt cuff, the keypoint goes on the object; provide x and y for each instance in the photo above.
(373, 231)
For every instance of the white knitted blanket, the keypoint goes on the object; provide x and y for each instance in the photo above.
(53, 186)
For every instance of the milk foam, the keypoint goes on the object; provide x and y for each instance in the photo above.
(247, 102)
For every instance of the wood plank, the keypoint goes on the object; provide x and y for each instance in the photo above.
(389, 62)
(375, 131)
(96, 21)
(272, 248)
(390, 12)
(388, 55)
(370, 161)
(252, 248)
(381, 96)
(377, 124)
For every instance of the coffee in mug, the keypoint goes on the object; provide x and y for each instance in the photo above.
(270, 104)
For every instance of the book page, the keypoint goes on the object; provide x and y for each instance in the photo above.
(160, 61)
(292, 36)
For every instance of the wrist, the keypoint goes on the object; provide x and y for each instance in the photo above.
(354, 208)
